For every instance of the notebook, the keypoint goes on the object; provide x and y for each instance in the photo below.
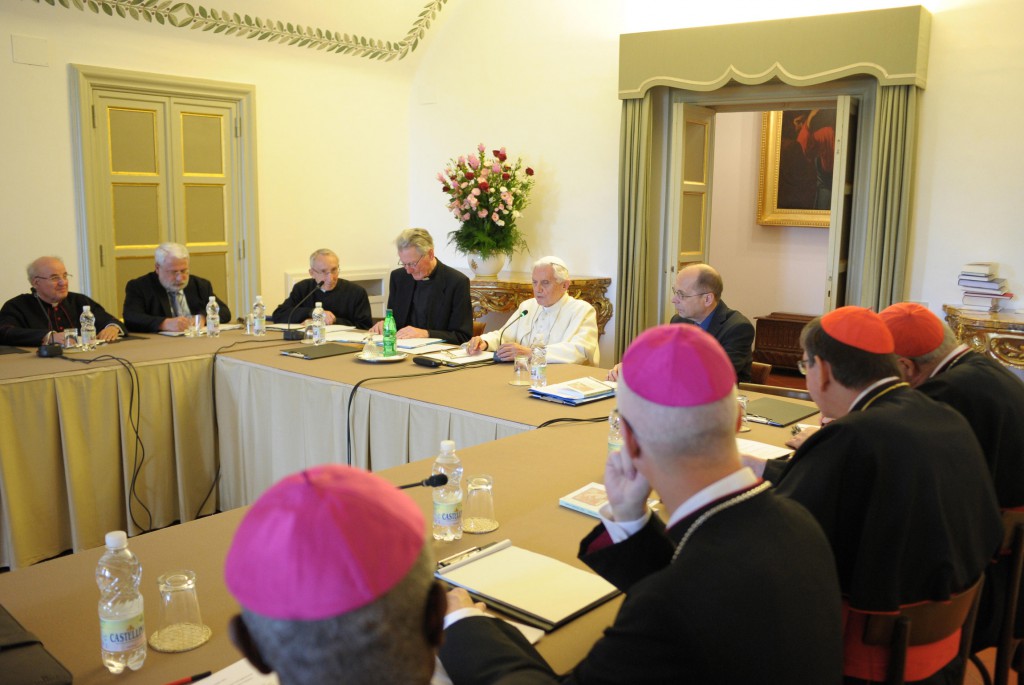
(779, 412)
(318, 351)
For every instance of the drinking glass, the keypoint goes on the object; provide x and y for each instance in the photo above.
(520, 370)
(70, 338)
(180, 627)
(744, 423)
(478, 509)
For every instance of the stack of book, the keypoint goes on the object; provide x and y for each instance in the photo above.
(575, 392)
(981, 287)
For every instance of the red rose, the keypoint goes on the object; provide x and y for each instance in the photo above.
(500, 155)
(529, 171)
(483, 186)
(469, 174)
(505, 177)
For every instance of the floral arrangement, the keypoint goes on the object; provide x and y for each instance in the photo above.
(486, 195)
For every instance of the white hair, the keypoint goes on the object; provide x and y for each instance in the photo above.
(173, 250)
(556, 264)
(32, 268)
(322, 252)
(419, 238)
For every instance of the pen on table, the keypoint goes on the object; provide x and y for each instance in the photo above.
(760, 419)
(191, 679)
(448, 561)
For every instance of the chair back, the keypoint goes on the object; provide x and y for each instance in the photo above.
(759, 372)
(792, 393)
(1013, 541)
(923, 624)
(478, 328)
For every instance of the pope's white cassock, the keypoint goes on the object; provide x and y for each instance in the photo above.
(569, 326)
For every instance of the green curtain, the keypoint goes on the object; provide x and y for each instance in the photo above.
(634, 174)
(892, 166)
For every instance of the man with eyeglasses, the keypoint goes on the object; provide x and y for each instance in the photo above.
(697, 297)
(567, 324)
(428, 299)
(899, 485)
(169, 296)
(739, 585)
(42, 315)
(344, 302)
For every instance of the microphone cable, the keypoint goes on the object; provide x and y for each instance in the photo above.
(571, 419)
(134, 413)
(213, 392)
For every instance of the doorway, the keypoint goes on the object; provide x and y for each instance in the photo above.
(166, 159)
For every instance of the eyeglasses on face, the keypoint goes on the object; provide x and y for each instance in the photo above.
(682, 296)
(55, 278)
(802, 365)
(326, 272)
(410, 265)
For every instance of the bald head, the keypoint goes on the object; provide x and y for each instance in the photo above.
(697, 291)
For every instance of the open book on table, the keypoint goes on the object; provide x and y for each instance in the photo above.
(530, 587)
(576, 391)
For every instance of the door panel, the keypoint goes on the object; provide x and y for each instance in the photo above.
(842, 190)
(202, 184)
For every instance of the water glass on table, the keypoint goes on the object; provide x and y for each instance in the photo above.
(478, 509)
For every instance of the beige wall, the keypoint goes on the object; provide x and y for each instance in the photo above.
(348, 149)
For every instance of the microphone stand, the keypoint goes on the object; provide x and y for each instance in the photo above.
(516, 320)
(290, 334)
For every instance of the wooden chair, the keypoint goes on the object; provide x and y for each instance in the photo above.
(792, 393)
(922, 624)
(478, 328)
(759, 373)
(1006, 644)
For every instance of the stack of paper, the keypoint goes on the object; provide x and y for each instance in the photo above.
(575, 392)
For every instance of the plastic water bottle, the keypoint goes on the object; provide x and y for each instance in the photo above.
(259, 317)
(87, 322)
(319, 324)
(448, 498)
(538, 362)
(390, 334)
(122, 620)
(213, 318)
(614, 432)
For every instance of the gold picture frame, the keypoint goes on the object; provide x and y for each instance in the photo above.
(791, 182)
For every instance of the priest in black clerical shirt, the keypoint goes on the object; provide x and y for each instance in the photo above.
(427, 298)
(42, 315)
(344, 302)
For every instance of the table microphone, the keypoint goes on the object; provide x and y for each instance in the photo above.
(290, 334)
(521, 315)
(434, 481)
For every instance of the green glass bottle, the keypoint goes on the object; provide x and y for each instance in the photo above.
(390, 334)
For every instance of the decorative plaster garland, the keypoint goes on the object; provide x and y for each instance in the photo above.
(189, 15)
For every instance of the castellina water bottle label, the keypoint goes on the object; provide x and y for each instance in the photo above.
(447, 513)
(123, 635)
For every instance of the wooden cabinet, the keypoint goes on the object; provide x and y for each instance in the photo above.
(777, 339)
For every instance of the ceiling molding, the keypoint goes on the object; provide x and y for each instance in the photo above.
(199, 17)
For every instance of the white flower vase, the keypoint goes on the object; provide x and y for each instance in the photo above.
(488, 267)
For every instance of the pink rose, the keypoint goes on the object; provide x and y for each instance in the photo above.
(481, 147)
(496, 168)
(476, 191)
(494, 217)
(465, 217)
(462, 160)
(482, 213)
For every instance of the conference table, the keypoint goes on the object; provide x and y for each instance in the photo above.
(71, 468)
(68, 449)
(279, 414)
(56, 599)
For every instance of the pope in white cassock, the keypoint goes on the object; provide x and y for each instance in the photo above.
(568, 325)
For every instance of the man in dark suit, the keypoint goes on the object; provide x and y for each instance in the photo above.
(344, 302)
(427, 298)
(897, 482)
(739, 588)
(991, 398)
(168, 297)
(42, 315)
(697, 297)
